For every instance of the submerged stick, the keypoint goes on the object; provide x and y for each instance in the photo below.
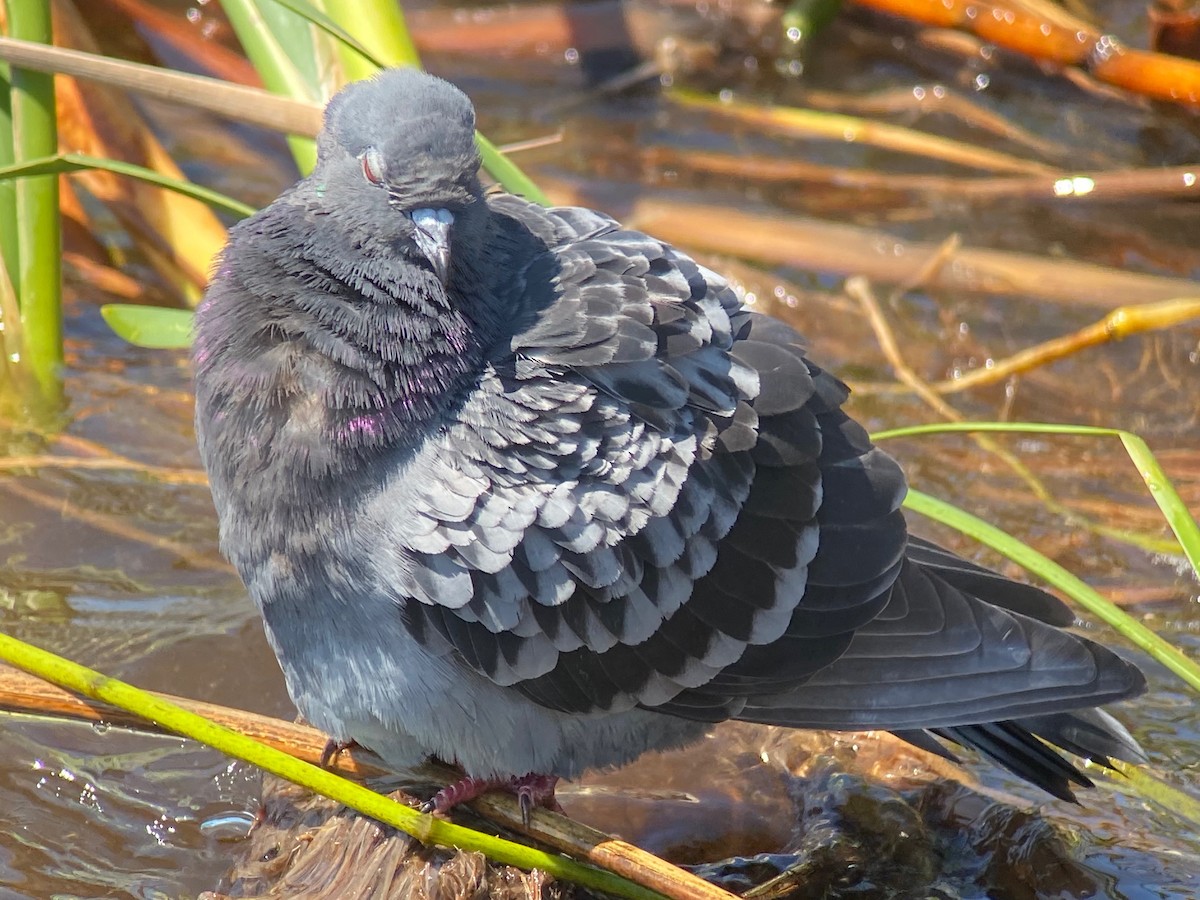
(818, 245)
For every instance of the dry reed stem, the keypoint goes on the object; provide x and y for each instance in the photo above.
(823, 246)
(233, 101)
(534, 143)
(890, 101)
(868, 132)
(23, 693)
(1119, 324)
(1174, 182)
(859, 289)
(1076, 47)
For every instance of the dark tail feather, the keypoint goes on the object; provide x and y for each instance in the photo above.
(1015, 745)
(1010, 745)
(1090, 733)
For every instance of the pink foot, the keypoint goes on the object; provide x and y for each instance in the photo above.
(534, 790)
(531, 790)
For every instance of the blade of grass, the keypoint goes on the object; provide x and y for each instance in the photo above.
(65, 163)
(381, 27)
(1174, 510)
(508, 173)
(294, 36)
(1179, 518)
(39, 236)
(425, 828)
(1150, 787)
(265, 47)
(352, 37)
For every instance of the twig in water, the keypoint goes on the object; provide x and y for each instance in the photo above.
(1119, 324)
(115, 526)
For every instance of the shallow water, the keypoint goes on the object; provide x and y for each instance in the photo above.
(106, 813)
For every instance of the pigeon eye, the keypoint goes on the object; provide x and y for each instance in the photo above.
(372, 165)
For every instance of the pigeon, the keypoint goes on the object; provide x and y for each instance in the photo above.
(533, 493)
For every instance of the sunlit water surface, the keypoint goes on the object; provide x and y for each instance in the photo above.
(96, 812)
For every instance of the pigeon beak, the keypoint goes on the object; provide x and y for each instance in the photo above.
(432, 235)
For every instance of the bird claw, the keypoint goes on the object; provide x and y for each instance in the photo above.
(333, 748)
(532, 790)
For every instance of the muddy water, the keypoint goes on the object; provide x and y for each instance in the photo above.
(95, 812)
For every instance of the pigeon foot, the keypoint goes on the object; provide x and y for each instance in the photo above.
(531, 790)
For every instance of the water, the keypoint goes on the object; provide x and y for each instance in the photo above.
(100, 812)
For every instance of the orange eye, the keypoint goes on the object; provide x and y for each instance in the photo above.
(372, 167)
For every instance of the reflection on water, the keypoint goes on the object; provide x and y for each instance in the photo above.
(114, 814)
(84, 569)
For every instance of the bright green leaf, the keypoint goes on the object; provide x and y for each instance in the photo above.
(153, 327)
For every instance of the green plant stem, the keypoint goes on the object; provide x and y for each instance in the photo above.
(379, 25)
(279, 72)
(39, 238)
(9, 251)
(426, 828)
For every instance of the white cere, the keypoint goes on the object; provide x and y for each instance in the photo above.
(427, 216)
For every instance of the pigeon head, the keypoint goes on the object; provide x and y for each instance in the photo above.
(398, 163)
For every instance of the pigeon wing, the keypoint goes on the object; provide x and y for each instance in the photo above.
(630, 499)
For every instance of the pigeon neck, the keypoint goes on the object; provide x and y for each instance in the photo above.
(389, 362)
(421, 358)
(333, 349)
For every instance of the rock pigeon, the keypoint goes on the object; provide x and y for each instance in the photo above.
(535, 493)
